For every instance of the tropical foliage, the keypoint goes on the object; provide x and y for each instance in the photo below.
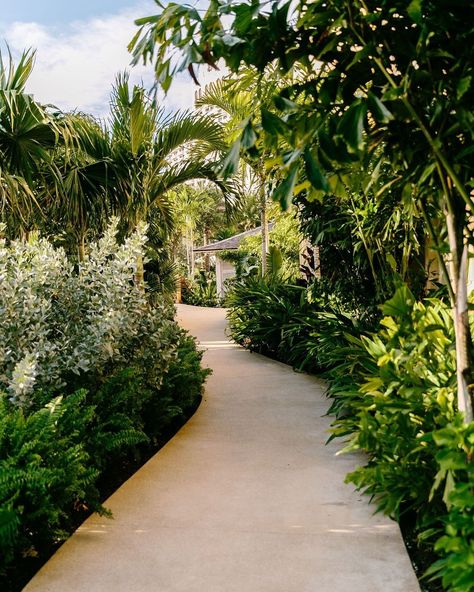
(388, 81)
(90, 371)
(95, 374)
(393, 395)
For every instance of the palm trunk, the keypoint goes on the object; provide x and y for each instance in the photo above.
(82, 249)
(191, 251)
(463, 342)
(264, 225)
(458, 272)
(207, 260)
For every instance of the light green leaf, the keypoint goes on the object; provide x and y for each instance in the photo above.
(414, 11)
(400, 304)
(463, 86)
(284, 192)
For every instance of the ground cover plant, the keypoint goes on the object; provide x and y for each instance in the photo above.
(92, 378)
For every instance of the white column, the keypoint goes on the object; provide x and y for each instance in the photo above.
(220, 291)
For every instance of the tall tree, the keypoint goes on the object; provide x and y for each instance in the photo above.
(387, 77)
(239, 102)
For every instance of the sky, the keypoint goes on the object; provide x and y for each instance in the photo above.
(80, 47)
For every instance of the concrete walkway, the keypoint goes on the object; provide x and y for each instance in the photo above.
(245, 498)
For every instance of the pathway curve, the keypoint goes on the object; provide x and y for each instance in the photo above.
(245, 498)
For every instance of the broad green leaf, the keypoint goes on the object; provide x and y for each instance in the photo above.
(249, 137)
(401, 303)
(313, 172)
(378, 109)
(337, 186)
(463, 86)
(284, 192)
(414, 11)
(272, 124)
(351, 126)
(231, 162)
(284, 104)
(446, 437)
(231, 40)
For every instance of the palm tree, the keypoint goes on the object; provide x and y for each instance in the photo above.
(127, 165)
(27, 136)
(153, 153)
(239, 100)
(80, 204)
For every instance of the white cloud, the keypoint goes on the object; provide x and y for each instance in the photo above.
(75, 66)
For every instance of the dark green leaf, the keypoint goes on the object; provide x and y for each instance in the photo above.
(328, 90)
(284, 104)
(313, 172)
(249, 137)
(231, 162)
(378, 109)
(272, 124)
(351, 126)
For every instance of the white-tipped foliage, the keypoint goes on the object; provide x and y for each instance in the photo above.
(56, 320)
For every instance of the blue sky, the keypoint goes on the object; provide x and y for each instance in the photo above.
(56, 12)
(80, 46)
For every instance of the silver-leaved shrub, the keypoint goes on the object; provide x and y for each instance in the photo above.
(57, 319)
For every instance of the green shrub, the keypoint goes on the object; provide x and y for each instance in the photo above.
(289, 322)
(201, 291)
(125, 370)
(409, 393)
(181, 390)
(59, 324)
(456, 472)
(46, 473)
(259, 309)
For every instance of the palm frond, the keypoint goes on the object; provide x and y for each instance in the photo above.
(188, 129)
(14, 77)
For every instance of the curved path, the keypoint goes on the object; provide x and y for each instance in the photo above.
(245, 498)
